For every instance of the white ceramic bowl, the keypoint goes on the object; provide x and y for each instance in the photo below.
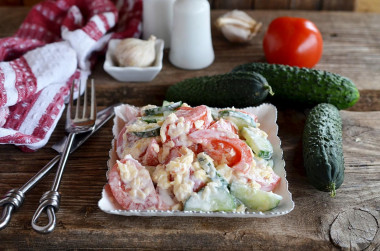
(133, 74)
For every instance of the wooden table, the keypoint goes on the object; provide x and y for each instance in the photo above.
(352, 218)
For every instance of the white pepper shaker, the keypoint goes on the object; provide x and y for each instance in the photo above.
(191, 43)
(158, 19)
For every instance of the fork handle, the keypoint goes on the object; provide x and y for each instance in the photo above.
(62, 162)
(14, 198)
(49, 201)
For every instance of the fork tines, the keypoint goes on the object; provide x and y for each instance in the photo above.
(81, 114)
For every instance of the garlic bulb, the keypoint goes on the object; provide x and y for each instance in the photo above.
(238, 26)
(136, 52)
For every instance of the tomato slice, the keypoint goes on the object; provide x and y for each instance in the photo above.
(124, 141)
(150, 157)
(194, 114)
(197, 118)
(130, 194)
(144, 150)
(129, 113)
(224, 147)
(269, 184)
(224, 125)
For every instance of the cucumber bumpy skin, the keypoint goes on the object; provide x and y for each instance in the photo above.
(304, 86)
(239, 89)
(323, 148)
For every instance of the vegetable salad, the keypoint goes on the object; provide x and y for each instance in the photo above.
(177, 157)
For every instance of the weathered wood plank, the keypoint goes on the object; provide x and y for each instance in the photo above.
(11, 2)
(11, 19)
(338, 5)
(272, 4)
(305, 4)
(237, 4)
(367, 6)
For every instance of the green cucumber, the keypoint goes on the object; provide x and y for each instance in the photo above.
(162, 109)
(259, 144)
(270, 163)
(255, 199)
(240, 119)
(207, 164)
(323, 148)
(166, 103)
(214, 113)
(239, 89)
(152, 132)
(153, 118)
(304, 86)
(211, 200)
(215, 196)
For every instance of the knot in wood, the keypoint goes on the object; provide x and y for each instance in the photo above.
(354, 229)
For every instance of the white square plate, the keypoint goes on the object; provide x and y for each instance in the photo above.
(133, 74)
(267, 116)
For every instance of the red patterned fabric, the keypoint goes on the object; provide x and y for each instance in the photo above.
(54, 46)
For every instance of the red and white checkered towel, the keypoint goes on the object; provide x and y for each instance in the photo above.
(54, 46)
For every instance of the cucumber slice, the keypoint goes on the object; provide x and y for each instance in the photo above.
(210, 199)
(153, 118)
(207, 164)
(240, 119)
(258, 142)
(271, 163)
(255, 199)
(214, 113)
(162, 109)
(153, 132)
(166, 103)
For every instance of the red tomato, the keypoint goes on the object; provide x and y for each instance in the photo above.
(191, 115)
(150, 157)
(269, 184)
(121, 190)
(224, 125)
(224, 147)
(122, 142)
(194, 114)
(293, 41)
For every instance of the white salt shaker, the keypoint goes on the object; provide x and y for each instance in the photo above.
(158, 19)
(191, 43)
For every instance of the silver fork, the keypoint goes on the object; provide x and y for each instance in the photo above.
(49, 201)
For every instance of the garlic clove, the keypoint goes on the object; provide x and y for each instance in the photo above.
(236, 34)
(238, 26)
(136, 52)
(233, 21)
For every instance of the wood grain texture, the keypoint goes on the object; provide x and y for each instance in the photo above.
(341, 5)
(11, 3)
(367, 6)
(354, 229)
(305, 4)
(338, 5)
(356, 5)
(351, 48)
(272, 4)
(237, 4)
